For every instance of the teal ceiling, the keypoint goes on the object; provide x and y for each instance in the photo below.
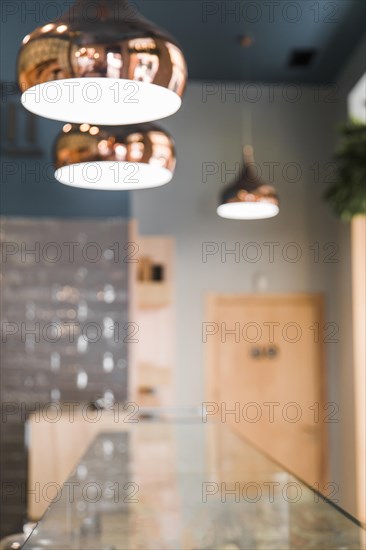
(209, 32)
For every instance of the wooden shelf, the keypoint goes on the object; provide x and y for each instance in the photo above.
(152, 307)
(153, 294)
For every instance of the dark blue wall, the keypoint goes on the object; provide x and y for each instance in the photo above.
(28, 187)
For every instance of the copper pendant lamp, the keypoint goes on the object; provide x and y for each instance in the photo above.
(249, 197)
(114, 158)
(104, 63)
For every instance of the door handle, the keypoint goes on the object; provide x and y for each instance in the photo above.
(271, 352)
(256, 352)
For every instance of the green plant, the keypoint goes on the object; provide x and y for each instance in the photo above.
(347, 196)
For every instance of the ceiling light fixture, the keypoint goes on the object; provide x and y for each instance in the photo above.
(102, 62)
(249, 197)
(114, 158)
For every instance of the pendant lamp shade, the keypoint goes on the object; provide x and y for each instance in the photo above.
(104, 63)
(249, 197)
(114, 158)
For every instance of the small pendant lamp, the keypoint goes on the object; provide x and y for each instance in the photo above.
(114, 158)
(249, 197)
(104, 63)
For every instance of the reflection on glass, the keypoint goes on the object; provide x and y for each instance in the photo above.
(55, 361)
(109, 328)
(55, 394)
(109, 294)
(108, 362)
(145, 488)
(82, 344)
(82, 380)
(82, 311)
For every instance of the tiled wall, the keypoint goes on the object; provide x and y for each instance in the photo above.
(64, 315)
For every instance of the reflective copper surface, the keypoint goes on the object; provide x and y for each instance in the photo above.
(143, 143)
(103, 38)
(249, 187)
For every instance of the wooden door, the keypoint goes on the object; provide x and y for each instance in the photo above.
(265, 376)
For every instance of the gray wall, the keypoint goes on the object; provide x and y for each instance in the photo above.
(283, 130)
(64, 315)
(64, 309)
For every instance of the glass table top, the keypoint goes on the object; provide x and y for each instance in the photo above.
(191, 486)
